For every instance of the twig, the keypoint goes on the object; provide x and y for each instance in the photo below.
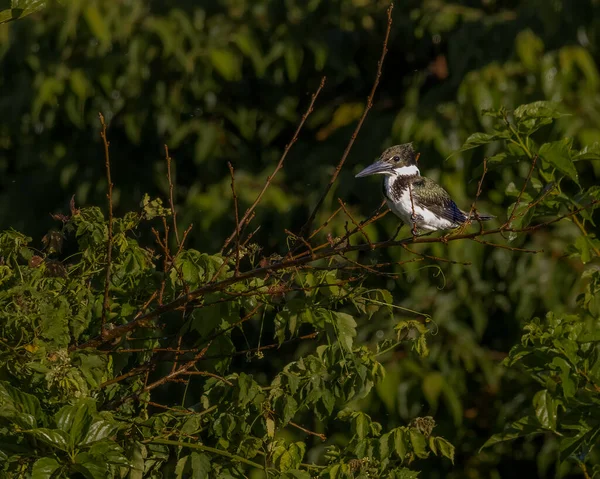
(436, 258)
(301, 239)
(134, 372)
(155, 404)
(201, 447)
(479, 189)
(261, 271)
(585, 233)
(146, 304)
(304, 230)
(357, 225)
(327, 221)
(250, 210)
(249, 237)
(322, 437)
(262, 348)
(510, 248)
(105, 305)
(173, 374)
(518, 200)
(210, 375)
(237, 220)
(171, 201)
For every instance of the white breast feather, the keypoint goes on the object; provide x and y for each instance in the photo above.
(403, 208)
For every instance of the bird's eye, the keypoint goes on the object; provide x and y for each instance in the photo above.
(396, 158)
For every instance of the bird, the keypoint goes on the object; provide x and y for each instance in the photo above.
(417, 200)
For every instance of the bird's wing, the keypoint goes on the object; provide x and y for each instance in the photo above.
(428, 194)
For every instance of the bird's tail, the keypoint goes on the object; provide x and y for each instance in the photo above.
(478, 216)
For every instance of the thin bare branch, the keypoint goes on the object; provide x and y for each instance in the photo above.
(246, 218)
(300, 261)
(210, 375)
(307, 226)
(327, 221)
(518, 200)
(237, 220)
(171, 201)
(510, 248)
(356, 225)
(109, 245)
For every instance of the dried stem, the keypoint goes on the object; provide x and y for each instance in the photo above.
(246, 218)
(510, 248)
(307, 226)
(105, 305)
(300, 261)
(175, 373)
(518, 200)
(327, 221)
(357, 225)
(322, 437)
(171, 201)
(237, 220)
(210, 375)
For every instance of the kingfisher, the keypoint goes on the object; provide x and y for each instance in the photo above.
(417, 200)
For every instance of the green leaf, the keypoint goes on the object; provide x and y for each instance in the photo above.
(418, 443)
(99, 430)
(20, 9)
(227, 63)
(530, 48)
(567, 383)
(361, 425)
(44, 468)
(444, 447)
(589, 152)
(432, 387)
(14, 401)
(110, 452)
(346, 329)
(75, 420)
(400, 442)
(538, 109)
(558, 154)
(53, 437)
(97, 23)
(404, 474)
(569, 445)
(478, 139)
(200, 465)
(89, 467)
(289, 409)
(525, 426)
(293, 56)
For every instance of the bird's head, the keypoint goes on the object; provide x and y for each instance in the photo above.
(398, 160)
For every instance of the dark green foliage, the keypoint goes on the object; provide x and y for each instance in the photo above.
(392, 368)
(80, 397)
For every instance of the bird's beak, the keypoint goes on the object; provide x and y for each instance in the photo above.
(379, 167)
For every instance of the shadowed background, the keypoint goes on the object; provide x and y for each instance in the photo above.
(228, 80)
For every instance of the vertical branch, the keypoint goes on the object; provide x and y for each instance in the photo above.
(356, 225)
(518, 200)
(368, 107)
(473, 209)
(105, 305)
(247, 215)
(237, 220)
(171, 202)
